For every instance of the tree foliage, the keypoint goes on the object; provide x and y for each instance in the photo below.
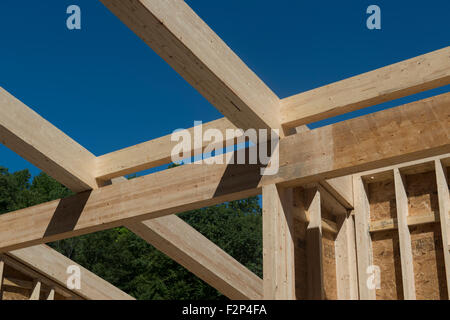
(128, 262)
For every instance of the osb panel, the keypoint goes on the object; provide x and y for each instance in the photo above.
(421, 189)
(382, 200)
(300, 260)
(329, 266)
(386, 255)
(428, 261)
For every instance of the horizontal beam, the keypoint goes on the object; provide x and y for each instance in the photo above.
(192, 49)
(35, 139)
(389, 137)
(179, 241)
(425, 72)
(391, 224)
(54, 266)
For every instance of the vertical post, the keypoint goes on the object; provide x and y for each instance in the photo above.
(409, 291)
(2, 268)
(35, 295)
(346, 266)
(363, 240)
(314, 246)
(51, 294)
(278, 243)
(444, 207)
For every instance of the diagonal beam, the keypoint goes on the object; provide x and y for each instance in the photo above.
(173, 30)
(425, 72)
(405, 133)
(179, 241)
(25, 132)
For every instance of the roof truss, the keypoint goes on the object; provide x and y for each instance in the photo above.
(326, 155)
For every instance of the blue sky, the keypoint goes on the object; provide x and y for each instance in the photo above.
(106, 89)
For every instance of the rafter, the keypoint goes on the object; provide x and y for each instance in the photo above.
(425, 72)
(35, 139)
(179, 241)
(175, 32)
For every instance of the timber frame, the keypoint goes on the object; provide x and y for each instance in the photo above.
(323, 212)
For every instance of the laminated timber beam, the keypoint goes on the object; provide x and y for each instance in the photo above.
(29, 135)
(155, 152)
(425, 72)
(175, 32)
(185, 245)
(53, 265)
(406, 133)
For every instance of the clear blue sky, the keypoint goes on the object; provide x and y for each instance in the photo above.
(106, 89)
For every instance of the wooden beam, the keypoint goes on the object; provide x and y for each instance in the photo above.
(316, 290)
(330, 203)
(346, 265)
(444, 209)
(51, 295)
(405, 133)
(192, 49)
(390, 224)
(278, 244)
(341, 188)
(155, 152)
(2, 270)
(179, 241)
(54, 266)
(36, 293)
(363, 239)
(398, 80)
(406, 259)
(35, 139)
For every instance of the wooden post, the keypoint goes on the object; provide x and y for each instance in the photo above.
(35, 295)
(278, 243)
(51, 294)
(346, 265)
(409, 291)
(363, 239)
(444, 207)
(2, 268)
(314, 246)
